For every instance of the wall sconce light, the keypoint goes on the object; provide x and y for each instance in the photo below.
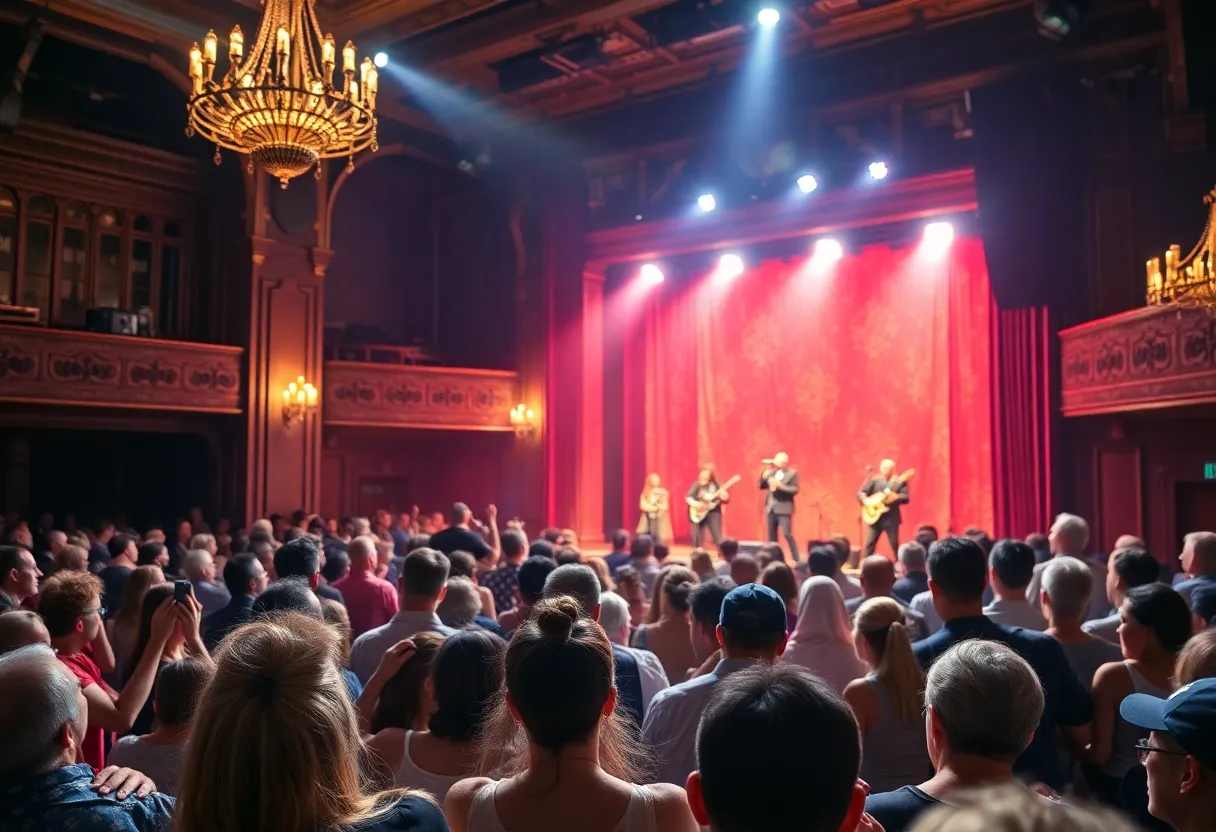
(523, 419)
(299, 399)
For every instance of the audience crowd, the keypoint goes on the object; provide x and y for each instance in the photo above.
(422, 673)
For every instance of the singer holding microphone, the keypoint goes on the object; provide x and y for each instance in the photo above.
(781, 482)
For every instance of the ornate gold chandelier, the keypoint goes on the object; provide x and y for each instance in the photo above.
(1188, 281)
(279, 105)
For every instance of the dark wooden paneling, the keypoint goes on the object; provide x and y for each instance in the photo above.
(1120, 510)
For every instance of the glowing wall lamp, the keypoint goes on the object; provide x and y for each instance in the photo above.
(299, 400)
(523, 419)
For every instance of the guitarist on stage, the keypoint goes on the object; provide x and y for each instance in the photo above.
(706, 492)
(896, 495)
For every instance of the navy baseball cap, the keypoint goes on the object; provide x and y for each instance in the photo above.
(1203, 603)
(753, 608)
(1188, 715)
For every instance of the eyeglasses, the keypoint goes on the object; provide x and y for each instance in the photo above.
(101, 611)
(1143, 749)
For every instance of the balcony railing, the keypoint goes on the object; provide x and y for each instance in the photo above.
(395, 396)
(52, 366)
(1147, 358)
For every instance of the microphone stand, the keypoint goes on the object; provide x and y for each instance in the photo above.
(818, 503)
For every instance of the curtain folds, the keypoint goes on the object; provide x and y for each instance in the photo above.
(885, 353)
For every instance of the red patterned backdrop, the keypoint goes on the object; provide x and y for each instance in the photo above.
(884, 353)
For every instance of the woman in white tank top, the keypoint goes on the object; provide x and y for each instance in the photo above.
(571, 765)
(465, 676)
(1154, 627)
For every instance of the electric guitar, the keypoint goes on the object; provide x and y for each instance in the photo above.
(876, 505)
(701, 510)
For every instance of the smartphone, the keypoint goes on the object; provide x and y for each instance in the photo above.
(181, 591)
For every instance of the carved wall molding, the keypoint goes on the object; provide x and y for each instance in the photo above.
(50, 366)
(50, 158)
(1147, 358)
(385, 395)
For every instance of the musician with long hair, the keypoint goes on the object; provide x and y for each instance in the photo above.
(655, 507)
(885, 492)
(705, 498)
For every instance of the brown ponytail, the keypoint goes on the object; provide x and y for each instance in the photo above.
(883, 624)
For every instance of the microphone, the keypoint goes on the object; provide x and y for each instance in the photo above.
(768, 462)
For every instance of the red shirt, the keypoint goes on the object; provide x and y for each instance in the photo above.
(371, 601)
(93, 747)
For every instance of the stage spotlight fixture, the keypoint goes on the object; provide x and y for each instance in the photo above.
(807, 183)
(939, 234)
(878, 170)
(381, 59)
(707, 202)
(828, 250)
(1057, 18)
(651, 274)
(768, 17)
(730, 265)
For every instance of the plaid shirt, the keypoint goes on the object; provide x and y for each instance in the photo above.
(63, 799)
(503, 581)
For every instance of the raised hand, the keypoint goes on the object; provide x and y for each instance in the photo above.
(190, 614)
(164, 620)
(394, 659)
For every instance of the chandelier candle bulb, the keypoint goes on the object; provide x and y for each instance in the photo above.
(196, 62)
(328, 53)
(348, 58)
(364, 69)
(236, 46)
(210, 45)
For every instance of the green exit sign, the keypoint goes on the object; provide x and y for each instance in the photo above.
(1209, 470)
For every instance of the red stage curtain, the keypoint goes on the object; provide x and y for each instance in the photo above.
(884, 353)
(1023, 408)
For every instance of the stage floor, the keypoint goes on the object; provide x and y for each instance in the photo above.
(679, 553)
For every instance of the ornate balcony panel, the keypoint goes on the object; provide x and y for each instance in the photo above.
(1146, 358)
(445, 398)
(49, 366)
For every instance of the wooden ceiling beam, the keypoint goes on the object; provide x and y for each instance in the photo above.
(570, 101)
(517, 30)
(634, 32)
(912, 95)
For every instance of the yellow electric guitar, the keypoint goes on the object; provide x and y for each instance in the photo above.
(701, 510)
(876, 505)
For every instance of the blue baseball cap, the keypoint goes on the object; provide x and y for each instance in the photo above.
(1188, 715)
(1203, 603)
(753, 608)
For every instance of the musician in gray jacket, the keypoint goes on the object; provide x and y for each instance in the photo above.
(888, 522)
(781, 482)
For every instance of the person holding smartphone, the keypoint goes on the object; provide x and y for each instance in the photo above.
(184, 640)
